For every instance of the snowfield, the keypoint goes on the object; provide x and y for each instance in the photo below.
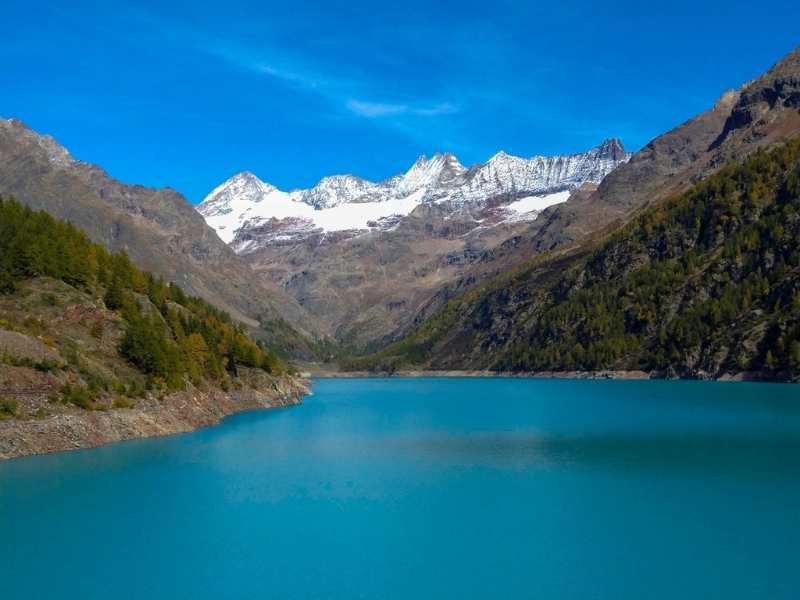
(537, 203)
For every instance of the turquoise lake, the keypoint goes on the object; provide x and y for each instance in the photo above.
(428, 488)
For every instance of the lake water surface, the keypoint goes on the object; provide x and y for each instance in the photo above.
(429, 488)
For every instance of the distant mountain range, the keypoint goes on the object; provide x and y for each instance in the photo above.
(249, 213)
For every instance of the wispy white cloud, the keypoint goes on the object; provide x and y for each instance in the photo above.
(444, 108)
(342, 91)
(345, 87)
(244, 58)
(373, 110)
(303, 79)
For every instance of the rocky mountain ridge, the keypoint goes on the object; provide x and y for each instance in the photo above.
(759, 114)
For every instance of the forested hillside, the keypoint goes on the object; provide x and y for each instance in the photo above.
(706, 283)
(55, 283)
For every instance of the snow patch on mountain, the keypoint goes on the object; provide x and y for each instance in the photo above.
(537, 204)
(251, 202)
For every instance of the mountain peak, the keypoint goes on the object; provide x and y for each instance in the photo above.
(450, 163)
(611, 148)
(422, 160)
(426, 172)
(788, 66)
(338, 189)
(247, 178)
(244, 188)
(56, 153)
(245, 175)
(500, 155)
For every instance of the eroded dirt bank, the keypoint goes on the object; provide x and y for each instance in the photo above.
(174, 413)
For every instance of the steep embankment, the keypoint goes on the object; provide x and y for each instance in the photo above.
(92, 350)
(705, 284)
(70, 429)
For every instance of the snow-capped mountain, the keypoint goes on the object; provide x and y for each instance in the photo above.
(349, 203)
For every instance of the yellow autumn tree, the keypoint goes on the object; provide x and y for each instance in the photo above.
(198, 354)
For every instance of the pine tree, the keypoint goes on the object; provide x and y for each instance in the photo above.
(114, 296)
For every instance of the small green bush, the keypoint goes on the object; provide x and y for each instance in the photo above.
(79, 396)
(49, 300)
(122, 402)
(44, 365)
(8, 407)
(96, 331)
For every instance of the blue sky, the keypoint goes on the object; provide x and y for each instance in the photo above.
(187, 94)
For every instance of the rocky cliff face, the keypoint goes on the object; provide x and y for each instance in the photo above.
(158, 228)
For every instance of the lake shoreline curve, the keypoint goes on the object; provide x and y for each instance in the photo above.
(179, 412)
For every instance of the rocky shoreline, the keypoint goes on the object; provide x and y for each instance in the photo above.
(478, 373)
(321, 373)
(175, 413)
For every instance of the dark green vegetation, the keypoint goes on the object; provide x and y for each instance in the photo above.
(703, 284)
(8, 408)
(169, 337)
